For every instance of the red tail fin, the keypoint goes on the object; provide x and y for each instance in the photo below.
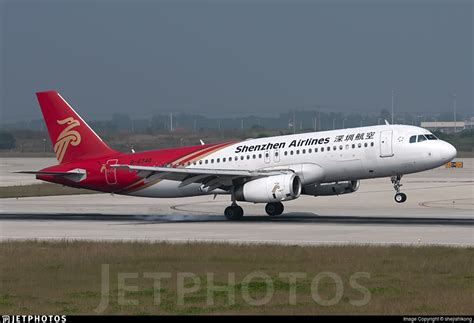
(72, 138)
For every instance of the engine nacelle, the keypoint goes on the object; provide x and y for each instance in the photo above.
(270, 189)
(331, 189)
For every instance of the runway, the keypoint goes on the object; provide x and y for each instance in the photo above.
(439, 211)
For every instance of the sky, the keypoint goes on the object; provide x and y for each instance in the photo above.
(228, 58)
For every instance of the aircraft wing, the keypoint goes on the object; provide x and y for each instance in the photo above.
(211, 178)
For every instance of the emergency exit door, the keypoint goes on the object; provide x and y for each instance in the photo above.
(111, 173)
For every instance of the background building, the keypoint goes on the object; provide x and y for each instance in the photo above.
(446, 126)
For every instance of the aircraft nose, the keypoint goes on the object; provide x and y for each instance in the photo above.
(447, 152)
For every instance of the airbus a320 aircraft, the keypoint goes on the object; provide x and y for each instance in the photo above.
(268, 170)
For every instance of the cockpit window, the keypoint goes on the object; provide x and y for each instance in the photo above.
(421, 138)
(431, 137)
(428, 136)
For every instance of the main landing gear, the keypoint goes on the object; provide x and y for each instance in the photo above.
(399, 197)
(233, 212)
(274, 208)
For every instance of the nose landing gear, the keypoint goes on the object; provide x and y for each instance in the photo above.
(399, 197)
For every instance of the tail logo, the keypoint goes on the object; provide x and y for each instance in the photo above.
(66, 137)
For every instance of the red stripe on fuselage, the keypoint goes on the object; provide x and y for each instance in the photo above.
(140, 184)
(98, 169)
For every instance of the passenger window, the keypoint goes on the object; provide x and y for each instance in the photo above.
(412, 139)
(242, 157)
(297, 151)
(347, 146)
(206, 161)
(304, 151)
(353, 146)
(291, 152)
(371, 144)
(322, 149)
(235, 158)
(340, 147)
(329, 148)
(286, 153)
(359, 145)
(259, 155)
(212, 161)
(218, 160)
(254, 156)
(365, 145)
(421, 138)
(248, 156)
(334, 148)
(315, 150)
(309, 151)
(223, 160)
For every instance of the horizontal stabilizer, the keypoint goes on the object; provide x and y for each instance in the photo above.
(43, 173)
(75, 175)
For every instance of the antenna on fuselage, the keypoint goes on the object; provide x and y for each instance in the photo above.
(202, 142)
(386, 122)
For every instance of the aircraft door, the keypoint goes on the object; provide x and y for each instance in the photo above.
(111, 173)
(386, 148)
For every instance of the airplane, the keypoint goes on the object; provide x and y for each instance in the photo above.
(268, 170)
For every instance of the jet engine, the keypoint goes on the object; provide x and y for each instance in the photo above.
(270, 189)
(331, 189)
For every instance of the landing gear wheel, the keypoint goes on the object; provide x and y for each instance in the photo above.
(233, 212)
(274, 208)
(400, 197)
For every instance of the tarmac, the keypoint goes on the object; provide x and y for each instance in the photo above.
(438, 211)
(10, 165)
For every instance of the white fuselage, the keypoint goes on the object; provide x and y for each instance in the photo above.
(324, 157)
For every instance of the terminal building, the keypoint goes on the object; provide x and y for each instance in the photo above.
(447, 126)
